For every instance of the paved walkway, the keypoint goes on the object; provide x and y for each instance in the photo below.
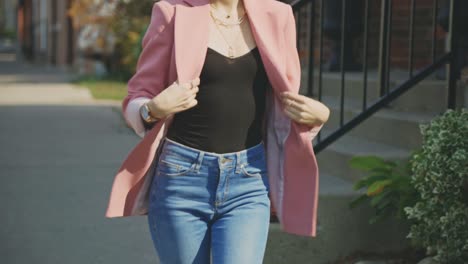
(60, 150)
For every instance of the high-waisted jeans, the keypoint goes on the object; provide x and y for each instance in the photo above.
(206, 205)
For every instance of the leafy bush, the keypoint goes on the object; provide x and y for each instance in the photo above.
(388, 187)
(440, 175)
(9, 34)
(129, 25)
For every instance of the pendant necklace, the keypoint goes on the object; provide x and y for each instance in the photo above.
(220, 22)
(228, 15)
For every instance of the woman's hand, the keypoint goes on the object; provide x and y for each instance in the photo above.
(304, 110)
(175, 98)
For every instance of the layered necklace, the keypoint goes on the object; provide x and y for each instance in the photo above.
(221, 22)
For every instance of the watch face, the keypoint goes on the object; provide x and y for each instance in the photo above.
(145, 114)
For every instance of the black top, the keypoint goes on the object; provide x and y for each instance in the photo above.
(231, 105)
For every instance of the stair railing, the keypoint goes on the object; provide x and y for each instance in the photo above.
(387, 95)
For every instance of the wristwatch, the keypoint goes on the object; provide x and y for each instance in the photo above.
(146, 116)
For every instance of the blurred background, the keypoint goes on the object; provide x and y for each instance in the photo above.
(392, 157)
(92, 37)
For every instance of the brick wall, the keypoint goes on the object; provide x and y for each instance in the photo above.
(423, 32)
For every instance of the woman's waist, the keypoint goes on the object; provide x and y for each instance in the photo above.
(183, 151)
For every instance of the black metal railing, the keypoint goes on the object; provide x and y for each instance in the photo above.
(306, 10)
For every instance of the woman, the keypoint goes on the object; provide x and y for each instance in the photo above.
(205, 98)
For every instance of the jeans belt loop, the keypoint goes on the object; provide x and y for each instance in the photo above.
(198, 164)
(238, 161)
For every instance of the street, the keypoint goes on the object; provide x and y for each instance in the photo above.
(59, 152)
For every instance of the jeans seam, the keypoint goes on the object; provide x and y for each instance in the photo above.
(245, 172)
(226, 189)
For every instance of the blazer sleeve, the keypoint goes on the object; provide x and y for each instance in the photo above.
(293, 64)
(150, 77)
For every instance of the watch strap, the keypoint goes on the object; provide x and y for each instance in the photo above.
(147, 125)
(145, 116)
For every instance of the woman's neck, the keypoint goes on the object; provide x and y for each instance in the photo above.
(227, 5)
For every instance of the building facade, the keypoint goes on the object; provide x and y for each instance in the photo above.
(7, 18)
(45, 31)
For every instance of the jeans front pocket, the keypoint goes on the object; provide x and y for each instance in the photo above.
(173, 164)
(255, 167)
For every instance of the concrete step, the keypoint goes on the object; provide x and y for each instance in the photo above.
(340, 230)
(335, 158)
(429, 95)
(391, 134)
(388, 125)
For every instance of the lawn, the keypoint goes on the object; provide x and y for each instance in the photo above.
(111, 89)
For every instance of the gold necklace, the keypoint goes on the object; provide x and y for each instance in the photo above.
(230, 50)
(228, 15)
(223, 23)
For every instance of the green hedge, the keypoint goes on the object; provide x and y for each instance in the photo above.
(129, 25)
(440, 175)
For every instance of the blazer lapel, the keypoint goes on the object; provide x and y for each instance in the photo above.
(191, 33)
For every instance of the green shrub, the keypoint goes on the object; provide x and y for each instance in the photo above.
(388, 187)
(440, 175)
(9, 34)
(129, 25)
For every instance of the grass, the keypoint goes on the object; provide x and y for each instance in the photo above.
(104, 88)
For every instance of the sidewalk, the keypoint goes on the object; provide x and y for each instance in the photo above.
(26, 83)
(60, 150)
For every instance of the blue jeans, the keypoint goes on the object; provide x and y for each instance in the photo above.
(205, 205)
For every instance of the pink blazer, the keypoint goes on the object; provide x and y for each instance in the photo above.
(174, 47)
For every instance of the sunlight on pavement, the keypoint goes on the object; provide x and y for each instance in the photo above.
(7, 57)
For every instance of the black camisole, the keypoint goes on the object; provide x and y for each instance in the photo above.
(231, 105)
